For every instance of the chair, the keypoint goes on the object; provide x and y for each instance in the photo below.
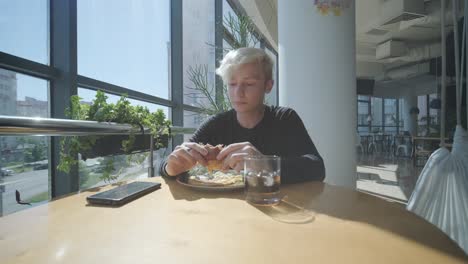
(402, 146)
(359, 143)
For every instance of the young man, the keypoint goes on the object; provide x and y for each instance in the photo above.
(251, 128)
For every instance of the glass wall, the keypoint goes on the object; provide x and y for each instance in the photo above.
(126, 43)
(24, 161)
(390, 116)
(379, 115)
(199, 53)
(22, 24)
(119, 47)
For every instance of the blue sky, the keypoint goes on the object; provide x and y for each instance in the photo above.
(119, 41)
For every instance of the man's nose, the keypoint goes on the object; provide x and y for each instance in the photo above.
(240, 90)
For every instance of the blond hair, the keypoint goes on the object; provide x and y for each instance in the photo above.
(240, 56)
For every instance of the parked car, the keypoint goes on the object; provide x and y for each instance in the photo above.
(6, 172)
(41, 166)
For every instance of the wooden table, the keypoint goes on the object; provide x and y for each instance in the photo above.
(177, 225)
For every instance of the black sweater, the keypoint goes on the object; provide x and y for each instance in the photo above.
(280, 132)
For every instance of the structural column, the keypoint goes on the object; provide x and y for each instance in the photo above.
(410, 120)
(317, 76)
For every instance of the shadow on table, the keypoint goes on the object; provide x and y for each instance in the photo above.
(351, 205)
(303, 203)
(180, 192)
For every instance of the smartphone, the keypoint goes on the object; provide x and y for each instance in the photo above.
(123, 194)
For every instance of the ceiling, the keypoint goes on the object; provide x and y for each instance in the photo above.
(382, 43)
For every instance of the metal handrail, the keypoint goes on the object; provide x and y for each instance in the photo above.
(36, 126)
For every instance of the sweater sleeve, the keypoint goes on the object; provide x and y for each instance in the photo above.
(302, 161)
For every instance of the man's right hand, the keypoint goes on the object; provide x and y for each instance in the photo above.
(184, 157)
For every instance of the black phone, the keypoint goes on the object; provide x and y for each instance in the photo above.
(123, 194)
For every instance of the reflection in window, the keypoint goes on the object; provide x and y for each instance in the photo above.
(122, 167)
(23, 160)
(126, 43)
(24, 27)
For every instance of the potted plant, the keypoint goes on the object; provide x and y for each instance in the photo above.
(121, 112)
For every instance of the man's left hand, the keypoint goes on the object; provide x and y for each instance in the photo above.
(234, 154)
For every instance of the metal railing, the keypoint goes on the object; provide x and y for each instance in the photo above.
(32, 126)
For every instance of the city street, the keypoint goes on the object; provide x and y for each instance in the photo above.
(29, 184)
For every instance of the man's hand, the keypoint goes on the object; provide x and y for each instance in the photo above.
(184, 157)
(234, 154)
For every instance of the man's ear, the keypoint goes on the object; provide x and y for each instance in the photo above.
(269, 86)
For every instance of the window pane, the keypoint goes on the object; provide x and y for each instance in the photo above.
(23, 160)
(88, 96)
(126, 43)
(199, 52)
(376, 108)
(363, 113)
(434, 105)
(226, 47)
(193, 120)
(390, 112)
(123, 167)
(271, 98)
(402, 110)
(24, 27)
(422, 117)
(231, 22)
(228, 11)
(363, 97)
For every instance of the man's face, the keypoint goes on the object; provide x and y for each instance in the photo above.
(247, 87)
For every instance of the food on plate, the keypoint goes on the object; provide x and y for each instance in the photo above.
(218, 178)
(212, 162)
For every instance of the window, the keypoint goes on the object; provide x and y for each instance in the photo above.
(272, 97)
(193, 120)
(121, 46)
(199, 52)
(376, 113)
(23, 160)
(401, 114)
(126, 43)
(363, 114)
(434, 106)
(24, 27)
(228, 11)
(88, 96)
(422, 116)
(390, 115)
(123, 167)
(226, 47)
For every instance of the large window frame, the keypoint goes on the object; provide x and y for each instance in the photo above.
(370, 126)
(62, 74)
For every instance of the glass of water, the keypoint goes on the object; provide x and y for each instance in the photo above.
(262, 176)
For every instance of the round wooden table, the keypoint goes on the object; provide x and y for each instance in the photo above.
(179, 225)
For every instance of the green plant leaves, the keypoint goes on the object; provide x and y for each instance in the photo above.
(102, 111)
